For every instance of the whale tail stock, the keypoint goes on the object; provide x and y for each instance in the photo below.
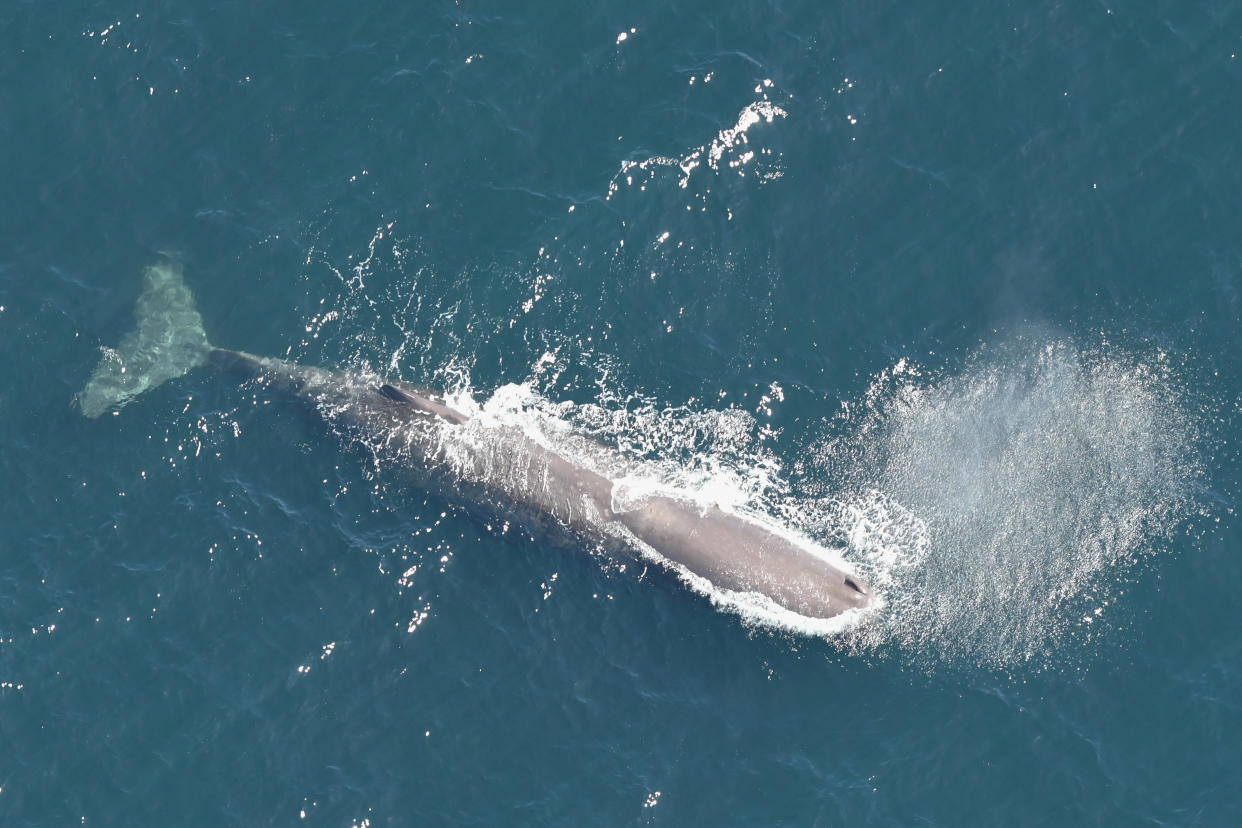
(167, 342)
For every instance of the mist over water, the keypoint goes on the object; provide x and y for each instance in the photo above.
(1000, 508)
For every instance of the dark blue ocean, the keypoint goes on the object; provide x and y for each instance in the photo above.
(950, 290)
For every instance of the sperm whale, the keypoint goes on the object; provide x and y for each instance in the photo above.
(486, 464)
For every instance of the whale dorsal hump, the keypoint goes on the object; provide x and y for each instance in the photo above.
(396, 394)
(424, 405)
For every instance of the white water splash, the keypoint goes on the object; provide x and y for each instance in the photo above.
(728, 147)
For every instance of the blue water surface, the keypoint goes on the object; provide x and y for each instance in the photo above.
(958, 286)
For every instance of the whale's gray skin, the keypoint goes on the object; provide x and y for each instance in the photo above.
(729, 551)
(491, 466)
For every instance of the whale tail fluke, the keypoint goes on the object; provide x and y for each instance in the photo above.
(168, 341)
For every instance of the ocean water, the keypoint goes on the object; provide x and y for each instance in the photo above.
(951, 292)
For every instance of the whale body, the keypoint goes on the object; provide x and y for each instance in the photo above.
(496, 467)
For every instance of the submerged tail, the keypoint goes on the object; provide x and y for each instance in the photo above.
(168, 342)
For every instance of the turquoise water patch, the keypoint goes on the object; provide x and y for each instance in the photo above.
(952, 294)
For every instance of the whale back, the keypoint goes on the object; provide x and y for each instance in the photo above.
(742, 555)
